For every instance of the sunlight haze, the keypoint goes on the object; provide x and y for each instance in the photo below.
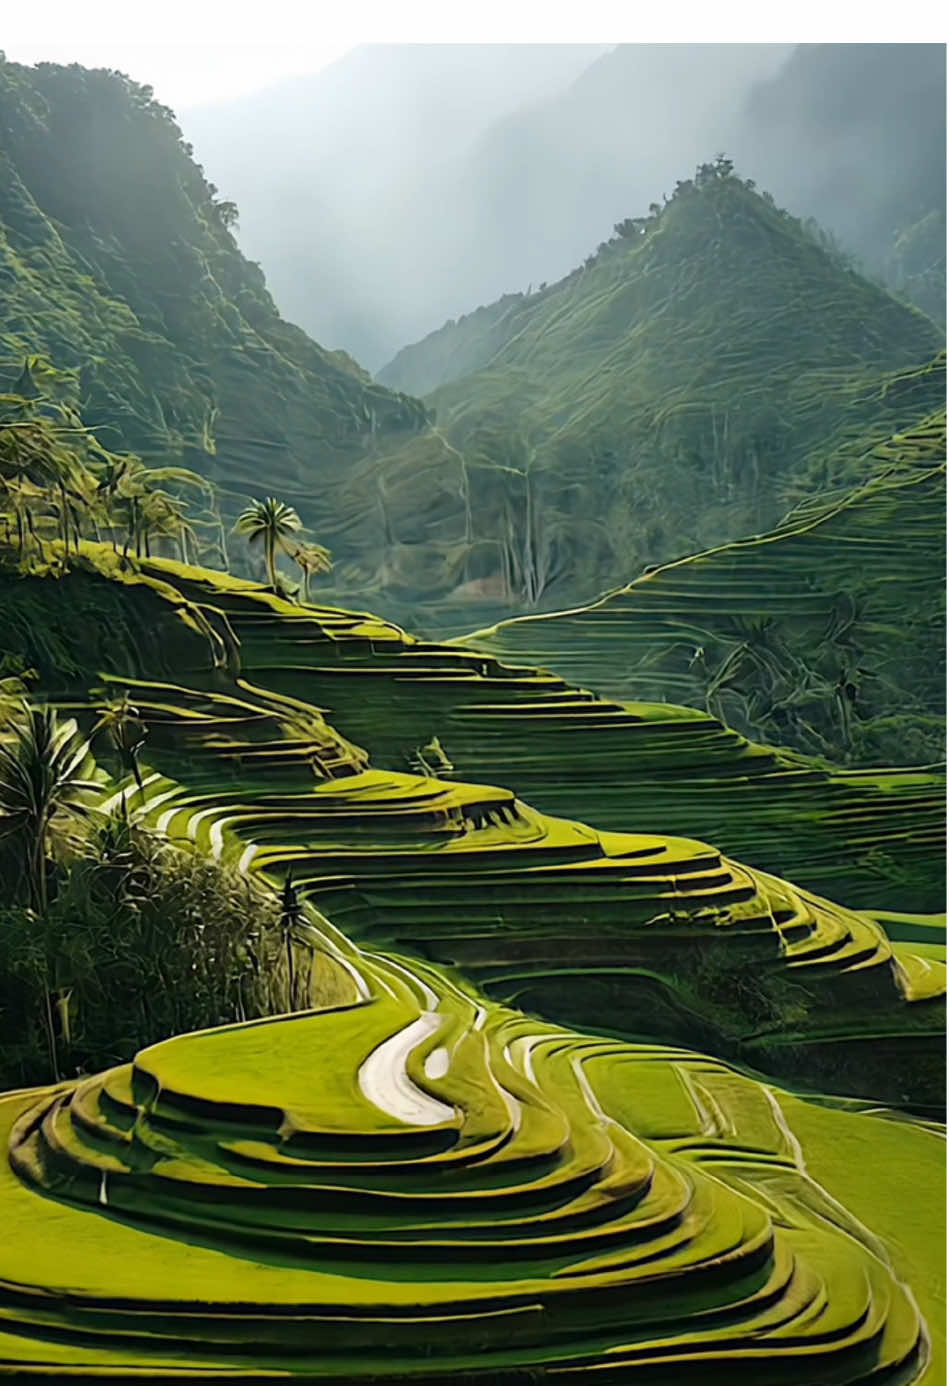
(183, 75)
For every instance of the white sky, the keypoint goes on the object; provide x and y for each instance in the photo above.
(198, 51)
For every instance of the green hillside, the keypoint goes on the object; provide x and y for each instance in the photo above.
(488, 1195)
(826, 634)
(467, 872)
(665, 395)
(561, 457)
(524, 1204)
(118, 263)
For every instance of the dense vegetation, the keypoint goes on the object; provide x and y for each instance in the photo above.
(826, 634)
(578, 403)
(119, 264)
(139, 941)
(716, 348)
(379, 875)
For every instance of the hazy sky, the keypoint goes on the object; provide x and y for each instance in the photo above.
(225, 48)
(192, 74)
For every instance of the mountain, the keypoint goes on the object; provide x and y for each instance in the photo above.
(119, 266)
(408, 184)
(713, 351)
(558, 465)
(348, 181)
(855, 135)
(826, 634)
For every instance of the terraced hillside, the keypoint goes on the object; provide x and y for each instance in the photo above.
(612, 394)
(422, 1181)
(420, 1186)
(873, 839)
(663, 936)
(826, 634)
(713, 349)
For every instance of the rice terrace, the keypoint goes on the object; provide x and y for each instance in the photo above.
(472, 834)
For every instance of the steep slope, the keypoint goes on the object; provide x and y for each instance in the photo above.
(118, 263)
(230, 685)
(713, 349)
(336, 175)
(121, 267)
(855, 135)
(484, 1194)
(527, 176)
(826, 634)
(871, 839)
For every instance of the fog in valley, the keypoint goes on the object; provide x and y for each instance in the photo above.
(408, 184)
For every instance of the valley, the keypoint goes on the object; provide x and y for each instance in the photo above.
(472, 841)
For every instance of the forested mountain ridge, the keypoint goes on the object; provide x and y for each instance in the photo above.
(119, 264)
(526, 180)
(718, 344)
(563, 460)
(856, 136)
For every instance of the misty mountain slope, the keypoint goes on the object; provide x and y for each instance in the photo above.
(350, 186)
(408, 183)
(826, 634)
(547, 182)
(714, 348)
(118, 264)
(855, 135)
(664, 396)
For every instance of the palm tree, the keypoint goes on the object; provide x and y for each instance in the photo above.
(132, 496)
(42, 788)
(24, 499)
(272, 521)
(292, 915)
(122, 723)
(311, 558)
(14, 695)
(41, 795)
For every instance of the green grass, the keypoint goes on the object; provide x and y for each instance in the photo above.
(763, 634)
(424, 1181)
(610, 1206)
(657, 936)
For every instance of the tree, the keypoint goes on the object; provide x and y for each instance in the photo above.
(292, 915)
(133, 496)
(121, 721)
(227, 214)
(272, 521)
(311, 558)
(42, 788)
(41, 796)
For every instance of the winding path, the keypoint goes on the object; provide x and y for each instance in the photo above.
(384, 1080)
